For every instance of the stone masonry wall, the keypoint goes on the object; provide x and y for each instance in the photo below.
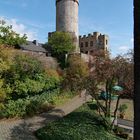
(93, 41)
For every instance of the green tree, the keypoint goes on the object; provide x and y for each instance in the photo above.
(10, 37)
(6, 59)
(61, 44)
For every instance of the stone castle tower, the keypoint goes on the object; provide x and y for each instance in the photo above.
(67, 19)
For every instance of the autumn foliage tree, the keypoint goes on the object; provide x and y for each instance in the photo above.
(103, 74)
(125, 72)
(75, 74)
(106, 73)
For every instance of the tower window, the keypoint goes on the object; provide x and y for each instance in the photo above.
(91, 43)
(86, 44)
(106, 42)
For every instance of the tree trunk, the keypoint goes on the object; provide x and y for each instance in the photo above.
(106, 100)
(115, 112)
(110, 96)
(99, 104)
(137, 69)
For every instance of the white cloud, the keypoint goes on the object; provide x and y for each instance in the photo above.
(21, 28)
(123, 48)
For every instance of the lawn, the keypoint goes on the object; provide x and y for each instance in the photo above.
(82, 124)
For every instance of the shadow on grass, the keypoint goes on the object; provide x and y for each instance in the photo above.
(93, 106)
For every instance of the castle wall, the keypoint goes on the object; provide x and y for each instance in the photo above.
(92, 42)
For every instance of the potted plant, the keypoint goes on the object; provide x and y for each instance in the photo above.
(122, 109)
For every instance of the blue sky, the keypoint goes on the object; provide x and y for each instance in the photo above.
(37, 17)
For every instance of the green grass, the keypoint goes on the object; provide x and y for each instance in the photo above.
(82, 124)
(64, 97)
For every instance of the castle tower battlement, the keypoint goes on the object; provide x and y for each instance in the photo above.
(94, 34)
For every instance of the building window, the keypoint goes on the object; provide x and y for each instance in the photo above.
(91, 43)
(82, 45)
(106, 42)
(86, 52)
(86, 44)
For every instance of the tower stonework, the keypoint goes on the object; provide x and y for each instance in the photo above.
(67, 19)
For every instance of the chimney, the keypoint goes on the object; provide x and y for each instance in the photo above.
(35, 42)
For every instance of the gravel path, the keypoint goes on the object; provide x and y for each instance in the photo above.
(24, 129)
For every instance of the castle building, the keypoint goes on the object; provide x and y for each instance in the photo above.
(92, 42)
(67, 19)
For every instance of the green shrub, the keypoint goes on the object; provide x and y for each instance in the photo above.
(25, 76)
(32, 108)
(14, 108)
(122, 108)
(22, 76)
(28, 106)
(25, 84)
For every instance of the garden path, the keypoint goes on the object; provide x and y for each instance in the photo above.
(23, 129)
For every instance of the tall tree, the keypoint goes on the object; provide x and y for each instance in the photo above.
(105, 74)
(75, 73)
(10, 37)
(61, 44)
